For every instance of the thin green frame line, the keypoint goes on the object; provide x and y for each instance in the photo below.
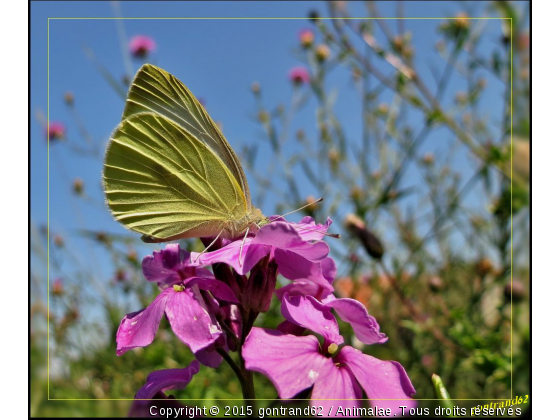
(275, 18)
(278, 18)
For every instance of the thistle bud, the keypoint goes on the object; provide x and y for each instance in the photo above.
(370, 242)
(58, 241)
(69, 98)
(313, 16)
(515, 291)
(306, 38)
(78, 186)
(256, 87)
(57, 287)
(436, 283)
(322, 53)
(484, 266)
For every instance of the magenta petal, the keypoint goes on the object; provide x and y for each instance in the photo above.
(283, 235)
(250, 255)
(219, 289)
(380, 379)
(163, 380)
(295, 267)
(308, 230)
(365, 326)
(190, 320)
(138, 329)
(329, 269)
(161, 267)
(307, 312)
(291, 363)
(335, 382)
(303, 288)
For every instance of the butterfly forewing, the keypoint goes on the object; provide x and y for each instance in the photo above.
(156, 91)
(163, 182)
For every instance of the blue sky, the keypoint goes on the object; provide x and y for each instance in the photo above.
(217, 59)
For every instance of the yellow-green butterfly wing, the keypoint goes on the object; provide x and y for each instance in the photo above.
(169, 173)
(155, 90)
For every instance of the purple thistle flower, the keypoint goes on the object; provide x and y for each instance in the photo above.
(295, 363)
(299, 75)
(141, 45)
(185, 301)
(56, 131)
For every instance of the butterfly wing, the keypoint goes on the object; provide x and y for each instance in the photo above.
(156, 91)
(162, 181)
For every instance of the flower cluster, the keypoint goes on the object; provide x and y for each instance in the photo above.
(213, 312)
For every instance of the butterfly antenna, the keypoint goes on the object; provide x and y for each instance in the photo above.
(296, 210)
(208, 247)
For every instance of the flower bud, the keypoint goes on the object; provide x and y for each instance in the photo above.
(436, 283)
(306, 38)
(261, 285)
(57, 287)
(428, 159)
(58, 241)
(313, 16)
(369, 241)
(322, 53)
(484, 266)
(311, 203)
(515, 291)
(69, 98)
(78, 186)
(256, 87)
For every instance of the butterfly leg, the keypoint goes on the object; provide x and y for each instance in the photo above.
(242, 244)
(208, 247)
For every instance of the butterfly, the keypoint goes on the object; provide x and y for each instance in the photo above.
(169, 172)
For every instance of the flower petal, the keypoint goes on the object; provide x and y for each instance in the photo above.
(335, 382)
(163, 380)
(365, 326)
(307, 312)
(190, 319)
(219, 290)
(295, 267)
(161, 266)
(138, 329)
(380, 379)
(282, 235)
(291, 363)
(229, 254)
(308, 230)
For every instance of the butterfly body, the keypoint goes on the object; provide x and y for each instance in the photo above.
(169, 172)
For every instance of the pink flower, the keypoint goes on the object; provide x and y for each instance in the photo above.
(299, 75)
(306, 38)
(140, 46)
(56, 131)
(186, 303)
(295, 363)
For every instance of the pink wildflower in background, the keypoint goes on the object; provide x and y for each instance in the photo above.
(141, 45)
(306, 38)
(56, 131)
(299, 75)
